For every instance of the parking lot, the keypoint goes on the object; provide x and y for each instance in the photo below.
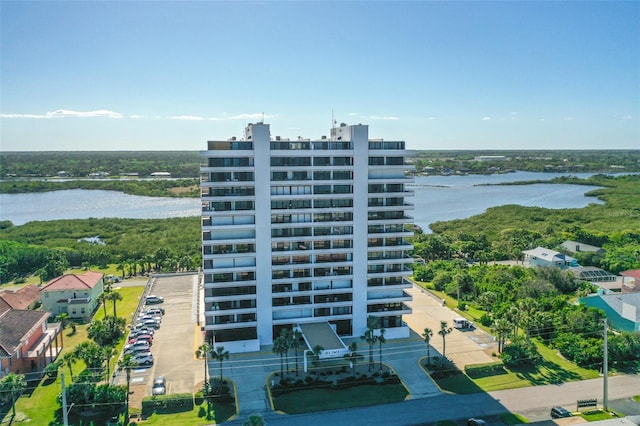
(174, 342)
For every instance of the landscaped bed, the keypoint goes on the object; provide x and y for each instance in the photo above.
(335, 388)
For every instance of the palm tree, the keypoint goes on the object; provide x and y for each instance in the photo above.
(296, 336)
(102, 299)
(114, 296)
(13, 384)
(203, 352)
(315, 354)
(108, 352)
(427, 334)
(69, 358)
(501, 328)
(444, 330)
(285, 333)
(219, 354)
(280, 347)
(370, 337)
(126, 363)
(353, 356)
(63, 319)
(381, 340)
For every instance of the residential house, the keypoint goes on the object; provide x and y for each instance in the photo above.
(27, 342)
(27, 297)
(630, 281)
(541, 256)
(577, 247)
(622, 309)
(75, 294)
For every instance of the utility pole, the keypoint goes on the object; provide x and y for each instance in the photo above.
(65, 414)
(605, 370)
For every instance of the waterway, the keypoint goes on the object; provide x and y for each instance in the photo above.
(437, 198)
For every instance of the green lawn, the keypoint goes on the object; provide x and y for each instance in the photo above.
(195, 417)
(314, 400)
(38, 405)
(553, 369)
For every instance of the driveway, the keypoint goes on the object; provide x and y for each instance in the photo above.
(174, 343)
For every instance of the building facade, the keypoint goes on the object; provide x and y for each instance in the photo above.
(301, 231)
(73, 294)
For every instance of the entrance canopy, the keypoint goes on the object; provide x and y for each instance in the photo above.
(323, 334)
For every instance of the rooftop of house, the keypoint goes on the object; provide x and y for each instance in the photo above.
(15, 325)
(85, 281)
(548, 255)
(633, 273)
(20, 299)
(576, 247)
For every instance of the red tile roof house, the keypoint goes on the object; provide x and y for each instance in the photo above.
(27, 297)
(75, 294)
(27, 343)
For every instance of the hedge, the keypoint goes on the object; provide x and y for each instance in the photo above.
(476, 371)
(167, 404)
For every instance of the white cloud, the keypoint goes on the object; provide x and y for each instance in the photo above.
(68, 113)
(378, 117)
(486, 118)
(187, 117)
(627, 117)
(353, 113)
(431, 118)
(568, 119)
(244, 116)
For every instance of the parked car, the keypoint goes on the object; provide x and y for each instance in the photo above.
(143, 359)
(476, 422)
(148, 323)
(136, 347)
(560, 412)
(142, 330)
(159, 386)
(154, 311)
(142, 338)
(153, 299)
(155, 318)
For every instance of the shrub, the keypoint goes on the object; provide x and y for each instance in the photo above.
(198, 398)
(482, 370)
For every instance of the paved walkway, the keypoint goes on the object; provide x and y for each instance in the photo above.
(251, 371)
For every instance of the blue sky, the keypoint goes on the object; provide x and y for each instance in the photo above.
(159, 75)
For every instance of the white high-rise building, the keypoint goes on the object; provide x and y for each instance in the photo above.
(300, 231)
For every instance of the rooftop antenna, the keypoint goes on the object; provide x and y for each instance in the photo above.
(333, 123)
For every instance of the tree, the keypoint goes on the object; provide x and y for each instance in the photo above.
(370, 337)
(254, 420)
(63, 317)
(69, 358)
(296, 337)
(91, 353)
(126, 363)
(353, 356)
(13, 384)
(501, 328)
(285, 333)
(203, 352)
(114, 296)
(381, 340)
(315, 354)
(102, 300)
(219, 354)
(107, 353)
(444, 330)
(280, 347)
(427, 334)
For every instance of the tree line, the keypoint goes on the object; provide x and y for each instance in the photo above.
(135, 246)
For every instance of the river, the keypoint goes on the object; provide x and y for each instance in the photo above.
(437, 198)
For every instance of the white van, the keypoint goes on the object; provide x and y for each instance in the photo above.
(460, 323)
